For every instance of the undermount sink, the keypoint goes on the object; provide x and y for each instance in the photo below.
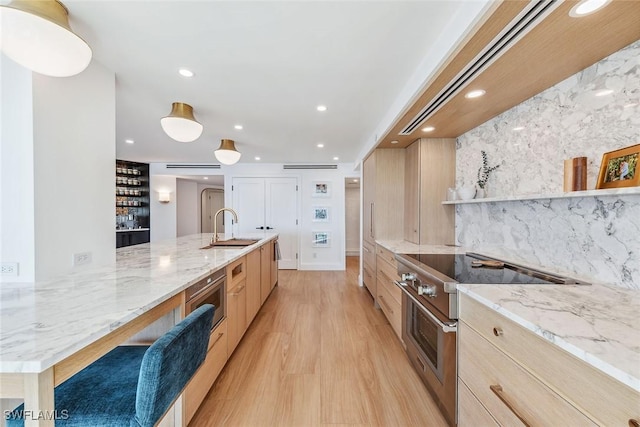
(231, 244)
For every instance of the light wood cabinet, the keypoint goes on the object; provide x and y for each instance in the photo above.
(254, 300)
(510, 370)
(383, 195)
(196, 390)
(265, 272)
(369, 267)
(274, 263)
(388, 295)
(236, 302)
(429, 172)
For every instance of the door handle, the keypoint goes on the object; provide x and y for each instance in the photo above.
(269, 228)
(259, 228)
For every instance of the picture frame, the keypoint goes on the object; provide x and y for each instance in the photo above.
(321, 214)
(321, 239)
(321, 189)
(619, 168)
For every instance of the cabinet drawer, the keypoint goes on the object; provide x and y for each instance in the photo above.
(506, 389)
(391, 309)
(236, 272)
(610, 403)
(387, 256)
(369, 254)
(206, 375)
(470, 411)
(386, 275)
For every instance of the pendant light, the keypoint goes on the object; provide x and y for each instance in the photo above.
(36, 34)
(227, 153)
(180, 123)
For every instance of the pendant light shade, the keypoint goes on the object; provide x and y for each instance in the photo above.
(180, 124)
(227, 153)
(36, 34)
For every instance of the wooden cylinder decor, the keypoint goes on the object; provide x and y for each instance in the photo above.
(575, 174)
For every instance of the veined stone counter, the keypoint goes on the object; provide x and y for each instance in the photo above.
(42, 323)
(598, 324)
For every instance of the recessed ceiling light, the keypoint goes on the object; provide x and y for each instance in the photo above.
(320, 145)
(238, 127)
(394, 142)
(475, 93)
(605, 92)
(428, 129)
(587, 7)
(336, 158)
(517, 128)
(321, 108)
(257, 158)
(129, 141)
(185, 73)
(206, 177)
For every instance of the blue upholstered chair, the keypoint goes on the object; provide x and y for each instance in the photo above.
(133, 385)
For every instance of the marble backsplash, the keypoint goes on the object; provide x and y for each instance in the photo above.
(588, 114)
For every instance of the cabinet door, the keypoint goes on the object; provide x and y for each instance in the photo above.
(265, 273)
(274, 263)
(412, 193)
(254, 300)
(236, 314)
(368, 197)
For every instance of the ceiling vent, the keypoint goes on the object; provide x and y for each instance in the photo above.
(532, 15)
(191, 166)
(287, 167)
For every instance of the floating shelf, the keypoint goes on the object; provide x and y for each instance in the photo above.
(568, 195)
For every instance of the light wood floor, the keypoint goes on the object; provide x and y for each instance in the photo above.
(318, 353)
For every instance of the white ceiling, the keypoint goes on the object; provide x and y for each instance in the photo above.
(265, 65)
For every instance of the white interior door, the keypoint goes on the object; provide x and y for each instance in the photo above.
(269, 203)
(248, 200)
(281, 214)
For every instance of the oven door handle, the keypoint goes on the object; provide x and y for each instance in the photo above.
(444, 326)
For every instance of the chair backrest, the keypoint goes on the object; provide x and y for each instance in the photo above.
(169, 364)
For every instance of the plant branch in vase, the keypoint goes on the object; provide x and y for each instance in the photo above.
(484, 172)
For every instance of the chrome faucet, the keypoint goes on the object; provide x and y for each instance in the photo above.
(215, 237)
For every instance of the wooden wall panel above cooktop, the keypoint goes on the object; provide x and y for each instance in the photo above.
(558, 47)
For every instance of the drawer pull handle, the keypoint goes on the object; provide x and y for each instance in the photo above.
(634, 423)
(497, 390)
(220, 335)
(498, 331)
(384, 302)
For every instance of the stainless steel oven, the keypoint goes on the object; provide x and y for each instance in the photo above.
(210, 290)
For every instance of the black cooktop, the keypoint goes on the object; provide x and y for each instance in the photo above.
(476, 268)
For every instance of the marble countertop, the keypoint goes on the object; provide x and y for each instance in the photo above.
(42, 323)
(598, 324)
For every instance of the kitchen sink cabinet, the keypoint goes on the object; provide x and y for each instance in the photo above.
(254, 300)
(429, 171)
(513, 373)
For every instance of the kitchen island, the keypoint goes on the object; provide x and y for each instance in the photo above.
(52, 329)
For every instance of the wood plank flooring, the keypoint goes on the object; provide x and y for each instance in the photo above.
(318, 353)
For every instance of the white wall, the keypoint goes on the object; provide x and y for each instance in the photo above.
(74, 154)
(187, 213)
(17, 239)
(352, 220)
(163, 215)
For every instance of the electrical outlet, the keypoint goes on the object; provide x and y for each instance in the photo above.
(9, 269)
(81, 258)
